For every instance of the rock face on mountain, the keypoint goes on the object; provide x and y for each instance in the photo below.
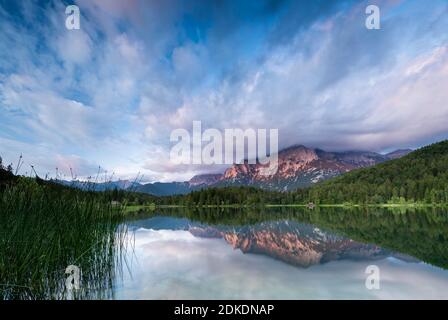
(299, 166)
(297, 244)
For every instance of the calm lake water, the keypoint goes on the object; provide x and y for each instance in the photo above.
(286, 254)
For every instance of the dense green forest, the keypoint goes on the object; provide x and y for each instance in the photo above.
(420, 177)
(224, 196)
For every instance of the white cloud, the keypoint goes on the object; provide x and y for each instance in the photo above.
(111, 92)
(74, 46)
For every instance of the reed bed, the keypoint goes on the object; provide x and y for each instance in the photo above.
(45, 227)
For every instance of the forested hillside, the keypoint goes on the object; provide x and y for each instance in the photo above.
(421, 176)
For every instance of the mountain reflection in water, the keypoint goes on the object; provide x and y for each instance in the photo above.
(297, 254)
(294, 243)
(305, 237)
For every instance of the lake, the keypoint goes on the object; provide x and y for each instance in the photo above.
(286, 253)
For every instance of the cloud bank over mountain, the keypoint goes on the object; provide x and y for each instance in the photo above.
(110, 93)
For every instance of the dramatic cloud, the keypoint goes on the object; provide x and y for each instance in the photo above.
(110, 93)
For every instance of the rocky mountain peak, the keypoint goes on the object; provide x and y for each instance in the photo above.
(300, 166)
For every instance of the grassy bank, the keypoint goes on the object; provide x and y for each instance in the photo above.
(44, 228)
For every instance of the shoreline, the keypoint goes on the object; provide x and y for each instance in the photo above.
(136, 208)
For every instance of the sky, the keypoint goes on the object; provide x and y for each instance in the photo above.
(109, 94)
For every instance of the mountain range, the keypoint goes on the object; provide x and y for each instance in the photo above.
(298, 167)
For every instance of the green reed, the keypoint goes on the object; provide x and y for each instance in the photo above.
(44, 228)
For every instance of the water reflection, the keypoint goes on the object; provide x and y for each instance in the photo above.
(420, 233)
(295, 243)
(258, 255)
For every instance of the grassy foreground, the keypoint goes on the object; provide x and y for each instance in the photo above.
(44, 228)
